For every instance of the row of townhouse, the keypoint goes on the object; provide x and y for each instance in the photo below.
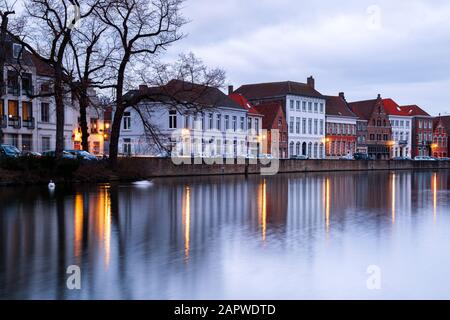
(27, 109)
(306, 123)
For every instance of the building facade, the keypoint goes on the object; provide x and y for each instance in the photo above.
(274, 119)
(340, 128)
(30, 123)
(402, 124)
(379, 131)
(422, 130)
(212, 125)
(304, 108)
(440, 146)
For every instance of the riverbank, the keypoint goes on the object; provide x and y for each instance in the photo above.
(32, 171)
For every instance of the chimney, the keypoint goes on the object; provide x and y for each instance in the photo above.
(230, 90)
(342, 95)
(379, 96)
(143, 87)
(311, 82)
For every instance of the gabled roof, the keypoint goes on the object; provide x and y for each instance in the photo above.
(270, 111)
(445, 120)
(240, 99)
(337, 106)
(42, 68)
(363, 109)
(186, 92)
(277, 89)
(415, 110)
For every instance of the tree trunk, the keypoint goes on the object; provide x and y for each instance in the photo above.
(115, 134)
(60, 112)
(84, 122)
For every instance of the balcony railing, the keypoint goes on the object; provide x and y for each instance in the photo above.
(3, 121)
(29, 123)
(15, 122)
(403, 142)
(14, 90)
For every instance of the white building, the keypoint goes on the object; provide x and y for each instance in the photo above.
(402, 124)
(304, 108)
(30, 124)
(211, 125)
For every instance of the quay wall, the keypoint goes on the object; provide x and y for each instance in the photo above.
(154, 167)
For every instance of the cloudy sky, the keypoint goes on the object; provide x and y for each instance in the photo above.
(399, 48)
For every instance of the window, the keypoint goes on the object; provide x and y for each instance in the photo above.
(292, 105)
(372, 137)
(297, 126)
(13, 108)
(257, 125)
(234, 123)
(304, 106)
(291, 125)
(242, 123)
(420, 124)
(172, 119)
(126, 121)
(316, 127)
(291, 148)
(280, 122)
(127, 146)
(17, 50)
(227, 122)
(27, 142)
(309, 106)
(27, 111)
(298, 106)
(94, 125)
(310, 126)
(321, 127)
(45, 143)
(186, 121)
(219, 122)
(321, 108)
(304, 126)
(316, 107)
(210, 120)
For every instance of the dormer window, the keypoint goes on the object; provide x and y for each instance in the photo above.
(17, 51)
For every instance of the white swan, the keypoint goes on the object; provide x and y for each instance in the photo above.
(51, 185)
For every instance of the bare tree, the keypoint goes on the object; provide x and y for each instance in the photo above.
(139, 29)
(47, 37)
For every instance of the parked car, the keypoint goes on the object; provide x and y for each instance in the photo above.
(400, 158)
(9, 151)
(265, 156)
(31, 154)
(444, 159)
(361, 156)
(424, 158)
(65, 155)
(347, 157)
(302, 157)
(83, 155)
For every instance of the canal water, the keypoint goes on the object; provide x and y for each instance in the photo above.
(297, 236)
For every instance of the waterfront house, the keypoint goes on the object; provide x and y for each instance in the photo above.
(340, 127)
(211, 122)
(402, 124)
(26, 121)
(440, 146)
(274, 119)
(379, 131)
(422, 130)
(304, 108)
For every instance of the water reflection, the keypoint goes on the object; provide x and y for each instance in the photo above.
(201, 238)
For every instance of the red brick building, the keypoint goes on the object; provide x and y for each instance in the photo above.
(340, 128)
(441, 133)
(274, 119)
(422, 130)
(379, 130)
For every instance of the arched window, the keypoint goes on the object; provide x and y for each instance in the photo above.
(310, 149)
(321, 155)
(297, 149)
(316, 149)
(304, 151)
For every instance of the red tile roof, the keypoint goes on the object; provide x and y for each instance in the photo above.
(363, 109)
(337, 106)
(414, 110)
(240, 99)
(393, 109)
(277, 89)
(270, 111)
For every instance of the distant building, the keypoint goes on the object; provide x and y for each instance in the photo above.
(30, 123)
(304, 109)
(340, 127)
(402, 124)
(379, 131)
(422, 130)
(192, 108)
(440, 146)
(274, 119)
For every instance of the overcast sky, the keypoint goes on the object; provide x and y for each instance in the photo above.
(400, 49)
